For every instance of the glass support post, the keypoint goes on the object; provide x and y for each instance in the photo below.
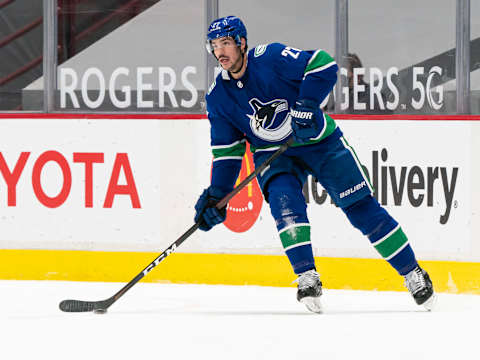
(341, 48)
(211, 13)
(462, 56)
(49, 54)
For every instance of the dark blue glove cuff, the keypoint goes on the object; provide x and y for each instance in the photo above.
(216, 192)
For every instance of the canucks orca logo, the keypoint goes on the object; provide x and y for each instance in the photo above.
(270, 121)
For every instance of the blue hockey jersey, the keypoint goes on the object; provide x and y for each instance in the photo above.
(255, 108)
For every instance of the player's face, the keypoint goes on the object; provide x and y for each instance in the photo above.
(227, 53)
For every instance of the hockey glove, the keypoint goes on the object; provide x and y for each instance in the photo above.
(307, 120)
(206, 212)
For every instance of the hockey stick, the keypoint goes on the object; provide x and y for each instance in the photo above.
(102, 305)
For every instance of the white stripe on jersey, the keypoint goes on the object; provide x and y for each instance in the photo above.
(228, 145)
(321, 68)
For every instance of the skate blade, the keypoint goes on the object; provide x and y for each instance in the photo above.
(430, 303)
(313, 304)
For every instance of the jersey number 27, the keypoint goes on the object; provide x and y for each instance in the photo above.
(289, 51)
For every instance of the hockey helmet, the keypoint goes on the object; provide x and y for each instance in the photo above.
(230, 26)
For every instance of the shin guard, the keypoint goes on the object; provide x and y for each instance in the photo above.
(384, 233)
(289, 210)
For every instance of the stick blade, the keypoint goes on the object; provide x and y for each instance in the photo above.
(86, 306)
(77, 306)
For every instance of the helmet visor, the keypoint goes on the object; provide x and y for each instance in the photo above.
(223, 42)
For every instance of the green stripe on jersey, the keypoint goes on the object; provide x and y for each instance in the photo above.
(320, 58)
(392, 243)
(237, 149)
(295, 236)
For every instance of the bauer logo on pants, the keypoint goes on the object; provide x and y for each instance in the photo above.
(243, 209)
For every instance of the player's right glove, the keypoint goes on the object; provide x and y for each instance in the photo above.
(206, 212)
(307, 120)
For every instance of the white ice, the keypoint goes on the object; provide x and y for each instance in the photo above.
(166, 321)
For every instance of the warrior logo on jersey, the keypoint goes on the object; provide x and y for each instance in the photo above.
(270, 121)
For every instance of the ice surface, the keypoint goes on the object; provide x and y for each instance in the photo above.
(166, 321)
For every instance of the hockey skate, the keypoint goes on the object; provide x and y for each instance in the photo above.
(310, 290)
(420, 286)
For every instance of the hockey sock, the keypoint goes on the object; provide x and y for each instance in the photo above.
(384, 233)
(289, 210)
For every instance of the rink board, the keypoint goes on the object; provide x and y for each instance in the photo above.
(229, 269)
(79, 192)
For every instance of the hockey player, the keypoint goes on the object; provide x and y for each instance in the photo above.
(265, 96)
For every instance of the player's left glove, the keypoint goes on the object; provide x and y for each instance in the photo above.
(307, 120)
(206, 212)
